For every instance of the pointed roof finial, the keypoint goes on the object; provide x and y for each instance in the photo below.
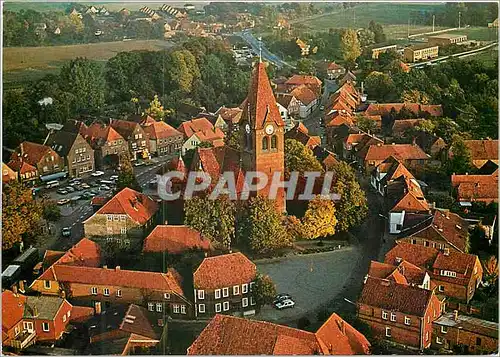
(260, 49)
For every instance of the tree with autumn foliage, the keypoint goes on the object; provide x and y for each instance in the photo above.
(319, 220)
(126, 176)
(156, 109)
(490, 268)
(265, 290)
(350, 47)
(300, 158)
(20, 214)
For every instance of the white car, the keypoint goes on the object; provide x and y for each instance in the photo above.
(63, 201)
(97, 173)
(280, 305)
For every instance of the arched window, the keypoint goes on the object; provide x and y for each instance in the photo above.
(274, 142)
(265, 143)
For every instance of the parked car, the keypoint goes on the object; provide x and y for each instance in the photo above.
(104, 188)
(76, 198)
(63, 201)
(94, 192)
(66, 232)
(80, 188)
(97, 173)
(70, 189)
(114, 177)
(284, 304)
(75, 180)
(281, 297)
(62, 191)
(138, 163)
(84, 185)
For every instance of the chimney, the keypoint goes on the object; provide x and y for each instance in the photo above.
(21, 286)
(14, 290)
(97, 308)
(117, 268)
(455, 315)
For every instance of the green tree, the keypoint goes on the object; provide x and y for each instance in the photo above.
(379, 86)
(300, 158)
(264, 290)
(352, 207)
(126, 176)
(183, 70)
(366, 124)
(156, 110)
(414, 96)
(461, 160)
(319, 220)
(262, 226)
(214, 219)
(350, 47)
(306, 66)
(366, 37)
(51, 211)
(378, 31)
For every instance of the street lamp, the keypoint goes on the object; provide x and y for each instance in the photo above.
(459, 17)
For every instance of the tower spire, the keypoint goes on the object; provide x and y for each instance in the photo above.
(260, 49)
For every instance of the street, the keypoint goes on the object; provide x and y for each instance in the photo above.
(257, 47)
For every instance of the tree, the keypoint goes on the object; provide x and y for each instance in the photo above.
(264, 290)
(300, 158)
(306, 66)
(366, 37)
(490, 267)
(350, 47)
(214, 219)
(51, 211)
(20, 213)
(414, 96)
(366, 124)
(126, 176)
(319, 220)
(379, 86)
(378, 31)
(294, 227)
(426, 126)
(262, 227)
(461, 160)
(352, 207)
(156, 109)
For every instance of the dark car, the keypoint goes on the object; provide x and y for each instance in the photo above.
(66, 232)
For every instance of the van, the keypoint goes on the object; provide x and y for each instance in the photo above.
(52, 184)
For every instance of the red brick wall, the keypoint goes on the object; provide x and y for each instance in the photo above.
(60, 322)
(454, 337)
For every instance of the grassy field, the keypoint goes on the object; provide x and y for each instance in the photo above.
(21, 64)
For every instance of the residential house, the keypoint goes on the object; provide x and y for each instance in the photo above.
(174, 239)
(389, 170)
(384, 109)
(430, 144)
(135, 136)
(200, 130)
(446, 39)
(107, 143)
(77, 153)
(231, 116)
(304, 47)
(377, 51)
(8, 174)
(443, 230)
(482, 151)
(465, 334)
(163, 138)
(453, 274)
(30, 319)
(289, 102)
(84, 253)
(402, 127)
(26, 172)
(325, 157)
(358, 142)
(420, 52)
(288, 120)
(300, 133)
(311, 82)
(411, 155)
(404, 273)
(399, 313)
(230, 335)
(126, 219)
(224, 284)
(475, 188)
(308, 100)
(42, 157)
(334, 70)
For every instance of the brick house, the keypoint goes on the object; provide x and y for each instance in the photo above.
(411, 155)
(334, 70)
(416, 109)
(77, 153)
(355, 144)
(300, 133)
(163, 139)
(26, 319)
(403, 273)
(481, 151)
(430, 143)
(42, 157)
(224, 284)
(26, 172)
(297, 80)
(158, 292)
(399, 313)
(135, 136)
(232, 118)
(230, 335)
(467, 334)
(126, 219)
(389, 170)
(173, 239)
(200, 130)
(442, 230)
(475, 188)
(8, 174)
(107, 143)
(454, 274)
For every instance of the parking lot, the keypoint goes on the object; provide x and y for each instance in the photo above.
(312, 280)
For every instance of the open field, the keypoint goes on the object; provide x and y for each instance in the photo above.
(111, 6)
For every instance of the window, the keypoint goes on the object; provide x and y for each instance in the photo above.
(441, 288)
(236, 290)
(251, 285)
(45, 326)
(448, 273)
(478, 341)
(93, 290)
(225, 306)
(274, 142)
(444, 329)
(109, 217)
(64, 318)
(166, 296)
(252, 301)
(16, 330)
(201, 308)
(176, 309)
(183, 309)
(217, 293)
(201, 294)
(426, 243)
(218, 307)
(151, 306)
(407, 320)
(106, 292)
(265, 143)
(119, 293)
(244, 302)
(69, 313)
(225, 292)
(122, 217)
(384, 315)
(123, 230)
(244, 288)
(116, 217)
(47, 284)
(439, 340)
(393, 316)
(427, 336)
(387, 332)
(159, 307)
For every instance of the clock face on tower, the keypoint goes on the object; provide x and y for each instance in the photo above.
(247, 128)
(269, 129)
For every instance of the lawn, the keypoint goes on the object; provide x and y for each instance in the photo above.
(478, 33)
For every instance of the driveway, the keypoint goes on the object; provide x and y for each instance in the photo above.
(312, 280)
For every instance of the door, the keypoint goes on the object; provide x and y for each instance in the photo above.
(28, 326)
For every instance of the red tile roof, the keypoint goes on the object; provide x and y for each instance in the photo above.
(81, 314)
(12, 309)
(414, 253)
(399, 151)
(232, 115)
(188, 128)
(391, 296)
(138, 206)
(260, 105)
(124, 128)
(214, 136)
(415, 108)
(22, 167)
(161, 130)
(338, 118)
(50, 257)
(100, 133)
(224, 271)
(175, 240)
(402, 125)
(140, 324)
(483, 149)
(32, 153)
(334, 66)
(300, 133)
(83, 253)
(299, 79)
(304, 94)
(8, 174)
(170, 281)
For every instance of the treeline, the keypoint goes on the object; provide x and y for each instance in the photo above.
(200, 72)
(473, 14)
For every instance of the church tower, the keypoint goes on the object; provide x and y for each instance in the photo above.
(263, 132)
